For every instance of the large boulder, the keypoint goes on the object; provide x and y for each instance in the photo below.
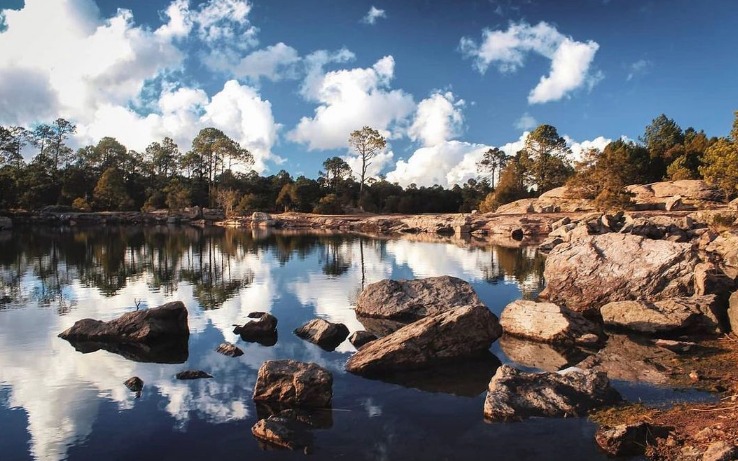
(514, 394)
(696, 314)
(294, 384)
(323, 333)
(413, 299)
(593, 271)
(691, 191)
(460, 333)
(158, 324)
(545, 322)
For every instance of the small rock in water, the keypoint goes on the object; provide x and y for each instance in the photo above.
(325, 334)
(283, 432)
(263, 330)
(360, 338)
(134, 384)
(192, 374)
(230, 350)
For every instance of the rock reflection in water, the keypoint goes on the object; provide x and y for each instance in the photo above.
(317, 418)
(464, 378)
(546, 357)
(166, 352)
(380, 327)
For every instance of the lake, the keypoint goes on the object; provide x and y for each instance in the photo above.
(57, 403)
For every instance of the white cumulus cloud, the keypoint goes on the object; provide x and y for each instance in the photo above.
(577, 148)
(348, 100)
(373, 14)
(274, 62)
(437, 119)
(526, 122)
(571, 60)
(446, 163)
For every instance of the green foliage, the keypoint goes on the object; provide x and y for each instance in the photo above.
(511, 186)
(178, 196)
(367, 143)
(110, 191)
(80, 204)
(544, 159)
(336, 171)
(330, 204)
(721, 166)
(493, 160)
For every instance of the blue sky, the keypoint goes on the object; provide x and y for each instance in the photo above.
(443, 80)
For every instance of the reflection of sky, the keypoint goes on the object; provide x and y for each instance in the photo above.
(62, 391)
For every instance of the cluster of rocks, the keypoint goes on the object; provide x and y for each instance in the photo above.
(67, 216)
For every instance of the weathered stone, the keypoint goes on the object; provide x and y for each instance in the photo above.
(229, 350)
(679, 347)
(514, 394)
(260, 219)
(134, 384)
(462, 332)
(720, 451)
(262, 330)
(192, 374)
(284, 432)
(544, 356)
(545, 322)
(629, 439)
(413, 299)
(588, 273)
(726, 247)
(696, 314)
(522, 206)
(323, 333)
(168, 321)
(632, 359)
(674, 203)
(293, 383)
(360, 338)
(733, 204)
(733, 312)
(381, 327)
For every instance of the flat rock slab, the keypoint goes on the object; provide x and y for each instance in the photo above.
(460, 333)
(165, 322)
(545, 322)
(413, 299)
(323, 333)
(293, 383)
(515, 394)
(695, 314)
(586, 274)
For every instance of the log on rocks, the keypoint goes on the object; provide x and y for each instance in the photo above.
(325, 334)
(461, 333)
(695, 314)
(414, 299)
(293, 383)
(586, 274)
(515, 395)
(545, 322)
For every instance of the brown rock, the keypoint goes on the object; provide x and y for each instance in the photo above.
(545, 322)
(629, 439)
(166, 322)
(413, 299)
(134, 384)
(229, 349)
(192, 374)
(733, 312)
(725, 246)
(463, 332)
(293, 383)
(514, 394)
(588, 273)
(284, 432)
(264, 327)
(696, 314)
(360, 338)
(679, 347)
(546, 357)
(323, 333)
(720, 451)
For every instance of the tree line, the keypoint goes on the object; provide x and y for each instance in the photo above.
(108, 176)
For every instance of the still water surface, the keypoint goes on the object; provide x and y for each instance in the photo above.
(57, 403)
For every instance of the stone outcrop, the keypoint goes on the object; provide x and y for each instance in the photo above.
(545, 322)
(156, 324)
(323, 333)
(229, 350)
(460, 333)
(263, 329)
(360, 338)
(413, 299)
(193, 374)
(696, 314)
(555, 200)
(629, 439)
(514, 394)
(692, 193)
(294, 384)
(725, 246)
(599, 269)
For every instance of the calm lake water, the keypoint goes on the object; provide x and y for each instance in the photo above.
(57, 403)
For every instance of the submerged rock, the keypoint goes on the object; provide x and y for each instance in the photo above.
(166, 322)
(284, 432)
(598, 269)
(293, 383)
(413, 299)
(545, 322)
(229, 350)
(629, 439)
(461, 333)
(696, 314)
(514, 394)
(360, 338)
(323, 333)
(192, 374)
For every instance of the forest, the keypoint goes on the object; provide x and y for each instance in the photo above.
(211, 173)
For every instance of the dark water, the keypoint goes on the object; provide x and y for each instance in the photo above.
(57, 403)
